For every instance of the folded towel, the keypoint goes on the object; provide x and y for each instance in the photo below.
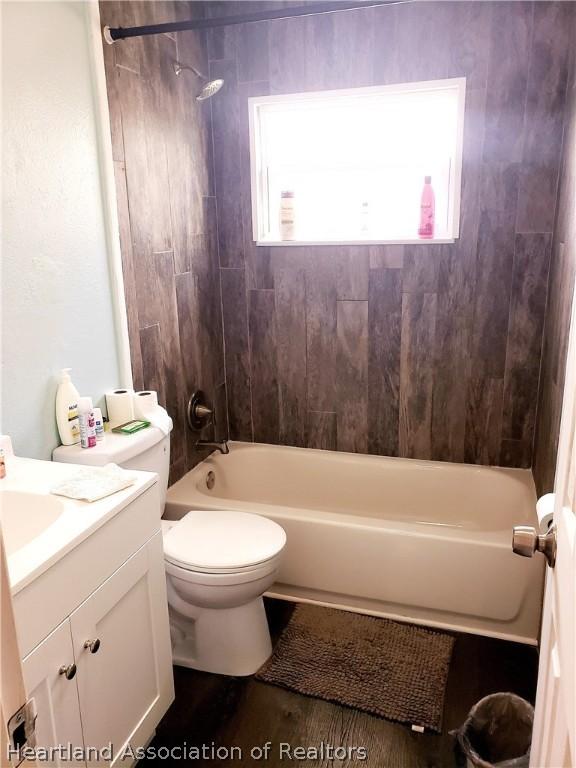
(93, 483)
(158, 417)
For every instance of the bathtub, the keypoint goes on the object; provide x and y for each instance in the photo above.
(419, 541)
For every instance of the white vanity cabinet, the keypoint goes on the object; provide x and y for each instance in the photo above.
(103, 675)
(56, 697)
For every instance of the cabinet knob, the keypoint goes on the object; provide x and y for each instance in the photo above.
(92, 645)
(68, 670)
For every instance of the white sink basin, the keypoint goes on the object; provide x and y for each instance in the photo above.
(25, 516)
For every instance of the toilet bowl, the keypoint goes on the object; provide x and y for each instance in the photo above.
(218, 566)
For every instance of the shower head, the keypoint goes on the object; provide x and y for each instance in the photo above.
(209, 87)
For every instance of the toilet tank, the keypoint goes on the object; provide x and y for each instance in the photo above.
(147, 450)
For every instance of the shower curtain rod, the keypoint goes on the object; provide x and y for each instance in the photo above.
(111, 34)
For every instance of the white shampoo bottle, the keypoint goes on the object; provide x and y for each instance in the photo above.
(67, 410)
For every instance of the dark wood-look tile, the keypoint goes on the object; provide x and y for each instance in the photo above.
(422, 43)
(420, 269)
(222, 42)
(384, 19)
(188, 302)
(352, 382)
(263, 366)
(417, 374)
(321, 53)
(187, 147)
(384, 334)
(499, 182)
(562, 281)
(259, 273)
(145, 158)
(547, 81)
(128, 274)
(253, 52)
(537, 188)
(152, 360)
(174, 388)
(483, 421)
(354, 43)
(544, 116)
(386, 256)
(321, 429)
(221, 431)
(353, 263)
(287, 69)
(515, 453)
(546, 435)
(452, 369)
(235, 316)
(132, 55)
(114, 105)
(510, 45)
(492, 301)
(469, 24)
(525, 327)
(291, 355)
(321, 280)
(195, 346)
(227, 168)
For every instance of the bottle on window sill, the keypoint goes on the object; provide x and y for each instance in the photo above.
(427, 210)
(287, 215)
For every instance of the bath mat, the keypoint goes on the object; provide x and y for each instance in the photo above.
(397, 671)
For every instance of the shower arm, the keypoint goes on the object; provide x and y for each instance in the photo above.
(112, 34)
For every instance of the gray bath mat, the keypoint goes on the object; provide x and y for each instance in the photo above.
(397, 671)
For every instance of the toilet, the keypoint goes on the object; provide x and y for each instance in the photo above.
(218, 564)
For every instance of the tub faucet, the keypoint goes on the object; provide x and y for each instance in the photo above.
(221, 445)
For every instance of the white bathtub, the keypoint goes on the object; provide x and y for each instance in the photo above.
(427, 542)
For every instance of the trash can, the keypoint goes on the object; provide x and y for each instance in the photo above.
(497, 732)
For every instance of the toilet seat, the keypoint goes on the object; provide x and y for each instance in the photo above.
(223, 542)
(223, 578)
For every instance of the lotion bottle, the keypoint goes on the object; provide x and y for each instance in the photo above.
(67, 410)
(87, 422)
(427, 211)
(287, 215)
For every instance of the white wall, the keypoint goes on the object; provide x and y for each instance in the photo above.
(57, 308)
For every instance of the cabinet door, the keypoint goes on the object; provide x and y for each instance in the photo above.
(55, 693)
(125, 678)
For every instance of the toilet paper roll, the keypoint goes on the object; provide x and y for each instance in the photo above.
(146, 407)
(145, 403)
(545, 511)
(120, 406)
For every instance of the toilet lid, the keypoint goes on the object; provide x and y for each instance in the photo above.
(222, 539)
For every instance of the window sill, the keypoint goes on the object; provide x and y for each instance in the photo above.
(296, 243)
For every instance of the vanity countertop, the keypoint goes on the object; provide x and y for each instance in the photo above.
(71, 521)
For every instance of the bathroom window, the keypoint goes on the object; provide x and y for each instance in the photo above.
(349, 166)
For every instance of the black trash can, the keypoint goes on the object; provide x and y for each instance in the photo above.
(497, 732)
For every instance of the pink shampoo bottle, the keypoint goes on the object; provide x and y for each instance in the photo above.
(427, 205)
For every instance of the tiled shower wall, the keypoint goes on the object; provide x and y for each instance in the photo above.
(561, 289)
(429, 351)
(167, 213)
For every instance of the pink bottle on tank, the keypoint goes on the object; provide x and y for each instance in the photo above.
(427, 205)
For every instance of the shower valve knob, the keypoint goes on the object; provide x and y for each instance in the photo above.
(526, 541)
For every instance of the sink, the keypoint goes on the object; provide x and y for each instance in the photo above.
(25, 516)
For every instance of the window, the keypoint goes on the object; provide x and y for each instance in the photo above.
(353, 162)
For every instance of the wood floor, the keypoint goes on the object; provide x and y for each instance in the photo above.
(218, 711)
